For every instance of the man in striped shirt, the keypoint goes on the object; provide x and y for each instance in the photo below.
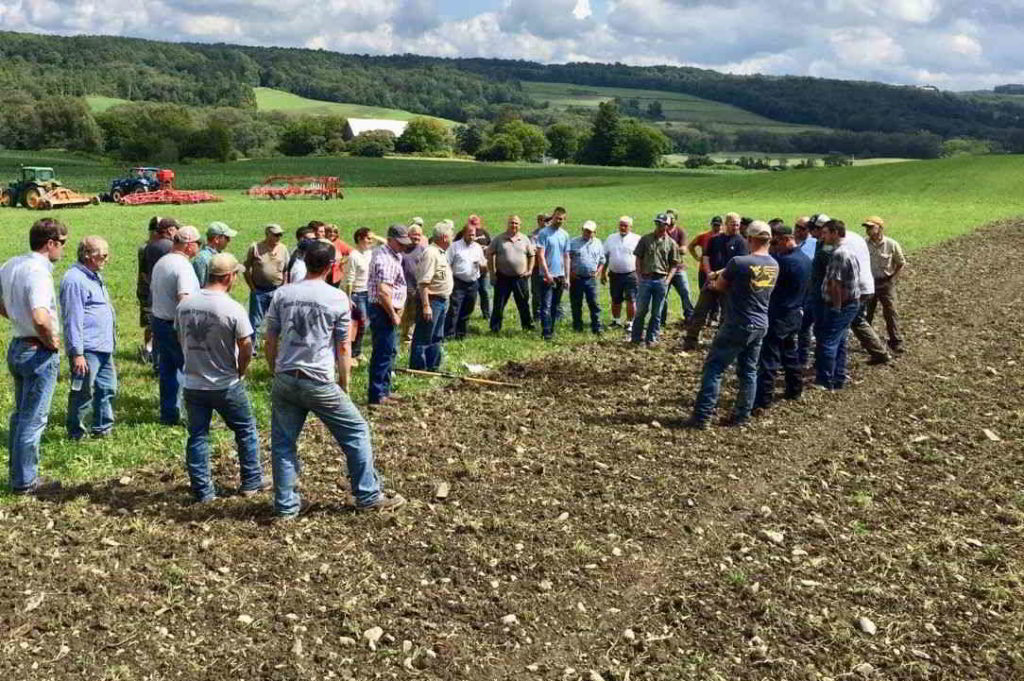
(387, 293)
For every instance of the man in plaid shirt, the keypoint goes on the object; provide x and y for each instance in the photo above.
(387, 293)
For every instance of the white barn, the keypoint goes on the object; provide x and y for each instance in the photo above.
(357, 126)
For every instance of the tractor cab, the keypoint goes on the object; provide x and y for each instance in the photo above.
(37, 174)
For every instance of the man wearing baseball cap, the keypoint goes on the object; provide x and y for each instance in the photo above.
(746, 284)
(656, 260)
(173, 280)
(218, 235)
(586, 265)
(387, 292)
(216, 341)
(161, 232)
(265, 262)
(887, 261)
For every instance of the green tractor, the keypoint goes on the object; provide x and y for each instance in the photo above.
(39, 189)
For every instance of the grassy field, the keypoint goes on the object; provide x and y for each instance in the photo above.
(269, 99)
(677, 107)
(924, 203)
(723, 156)
(99, 103)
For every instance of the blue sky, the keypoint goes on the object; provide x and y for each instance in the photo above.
(952, 44)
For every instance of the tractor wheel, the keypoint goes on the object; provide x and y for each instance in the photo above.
(32, 198)
(116, 195)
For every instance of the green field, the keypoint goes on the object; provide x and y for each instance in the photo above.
(269, 99)
(924, 203)
(99, 103)
(677, 107)
(793, 159)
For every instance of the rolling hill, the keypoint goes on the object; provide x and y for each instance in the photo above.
(269, 99)
(677, 107)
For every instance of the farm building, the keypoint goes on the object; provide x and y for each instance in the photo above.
(357, 126)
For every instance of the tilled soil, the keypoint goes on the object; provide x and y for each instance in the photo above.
(871, 533)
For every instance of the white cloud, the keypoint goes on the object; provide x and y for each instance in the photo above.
(952, 43)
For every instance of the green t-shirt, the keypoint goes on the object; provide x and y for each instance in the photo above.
(656, 255)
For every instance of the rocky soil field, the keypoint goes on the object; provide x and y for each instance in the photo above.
(874, 533)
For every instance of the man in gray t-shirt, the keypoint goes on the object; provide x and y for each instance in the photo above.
(307, 329)
(216, 337)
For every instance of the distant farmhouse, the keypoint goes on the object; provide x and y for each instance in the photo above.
(357, 126)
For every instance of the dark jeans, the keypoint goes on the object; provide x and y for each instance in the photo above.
(830, 351)
(233, 406)
(580, 289)
(98, 389)
(483, 288)
(864, 332)
(779, 350)
(681, 284)
(360, 317)
(425, 351)
(516, 288)
(172, 363)
(550, 302)
(383, 333)
(885, 294)
(536, 293)
(732, 343)
(460, 309)
(650, 297)
(803, 350)
(707, 301)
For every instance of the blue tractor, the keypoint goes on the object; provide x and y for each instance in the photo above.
(139, 180)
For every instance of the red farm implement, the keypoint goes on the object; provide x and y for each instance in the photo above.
(166, 193)
(280, 187)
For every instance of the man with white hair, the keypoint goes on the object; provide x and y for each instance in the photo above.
(620, 272)
(862, 329)
(434, 286)
(410, 260)
(746, 285)
(88, 319)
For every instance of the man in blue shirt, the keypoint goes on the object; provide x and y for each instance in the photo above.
(553, 254)
(746, 285)
(721, 249)
(586, 258)
(88, 319)
(785, 316)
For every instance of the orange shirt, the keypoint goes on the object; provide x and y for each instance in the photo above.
(341, 250)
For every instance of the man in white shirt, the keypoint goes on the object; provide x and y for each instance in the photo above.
(621, 271)
(172, 281)
(355, 283)
(861, 328)
(468, 262)
(27, 298)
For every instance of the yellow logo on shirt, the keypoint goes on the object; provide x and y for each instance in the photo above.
(763, 276)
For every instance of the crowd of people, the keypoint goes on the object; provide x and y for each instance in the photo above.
(773, 290)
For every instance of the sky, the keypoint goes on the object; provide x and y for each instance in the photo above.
(951, 44)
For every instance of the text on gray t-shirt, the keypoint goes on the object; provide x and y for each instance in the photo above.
(209, 326)
(309, 318)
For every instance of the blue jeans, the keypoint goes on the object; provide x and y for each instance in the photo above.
(550, 302)
(259, 303)
(460, 309)
(732, 343)
(233, 406)
(516, 288)
(99, 387)
(681, 284)
(360, 315)
(291, 401)
(811, 307)
(425, 351)
(831, 331)
(383, 333)
(172, 363)
(483, 288)
(585, 287)
(650, 297)
(34, 372)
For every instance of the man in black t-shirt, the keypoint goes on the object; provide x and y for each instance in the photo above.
(161, 231)
(785, 316)
(721, 249)
(746, 285)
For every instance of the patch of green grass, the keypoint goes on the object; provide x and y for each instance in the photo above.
(924, 203)
(269, 99)
(99, 103)
(677, 107)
